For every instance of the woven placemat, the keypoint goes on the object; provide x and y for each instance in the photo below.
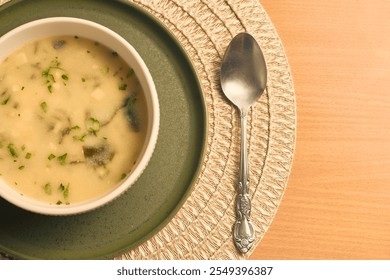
(202, 229)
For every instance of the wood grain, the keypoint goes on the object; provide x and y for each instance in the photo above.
(337, 202)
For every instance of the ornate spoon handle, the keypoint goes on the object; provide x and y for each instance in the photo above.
(243, 233)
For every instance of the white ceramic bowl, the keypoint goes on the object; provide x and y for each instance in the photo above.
(38, 29)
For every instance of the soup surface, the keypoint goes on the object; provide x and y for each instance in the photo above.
(72, 120)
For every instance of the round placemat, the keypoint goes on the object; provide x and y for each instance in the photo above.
(202, 229)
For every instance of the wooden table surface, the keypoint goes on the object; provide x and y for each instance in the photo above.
(337, 202)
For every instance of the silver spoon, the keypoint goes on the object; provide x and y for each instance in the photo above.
(243, 80)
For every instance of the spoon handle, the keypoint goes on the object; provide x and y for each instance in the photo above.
(243, 232)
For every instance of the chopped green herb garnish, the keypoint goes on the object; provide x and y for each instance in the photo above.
(48, 74)
(12, 150)
(93, 125)
(62, 158)
(23, 147)
(130, 72)
(51, 156)
(65, 77)
(28, 156)
(83, 80)
(123, 176)
(75, 127)
(123, 86)
(61, 187)
(114, 54)
(66, 192)
(59, 202)
(5, 101)
(80, 138)
(105, 70)
(44, 106)
(21, 167)
(64, 189)
(47, 188)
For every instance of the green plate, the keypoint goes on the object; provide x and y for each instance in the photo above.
(170, 175)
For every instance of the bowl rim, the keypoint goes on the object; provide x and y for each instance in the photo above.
(8, 193)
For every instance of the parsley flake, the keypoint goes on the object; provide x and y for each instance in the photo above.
(12, 150)
(93, 125)
(122, 86)
(62, 158)
(47, 188)
(44, 106)
(5, 101)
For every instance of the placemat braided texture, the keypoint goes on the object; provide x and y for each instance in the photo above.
(202, 229)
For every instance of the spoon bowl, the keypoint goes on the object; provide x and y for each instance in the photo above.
(243, 81)
(243, 71)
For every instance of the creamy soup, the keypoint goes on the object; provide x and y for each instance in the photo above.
(72, 120)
